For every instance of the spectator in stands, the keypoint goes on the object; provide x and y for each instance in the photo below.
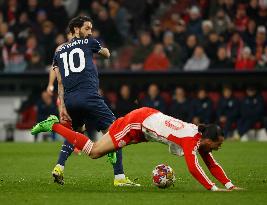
(188, 50)
(180, 33)
(260, 42)
(40, 19)
(32, 47)
(156, 31)
(108, 29)
(142, 51)
(35, 63)
(22, 28)
(58, 15)
(12, 57)
(45, 106)
(229, 7)
(250, 34)
(125, 102)
(3, 31)
(32, 9)
(251, 113)
(195, 21)
(171, 23)
(206, 27)
(153, 99)
(173, 51)
(201, 108)
(262, 63)
(137, 10)
(198, 62)
(222, 61)
(246, 61)
(180, 106)
(157, 60)
(204, 6)
(221, 22)
(263, 4)
(71, 7)
(262, 20)
(95, 8)
(47, 39)
(253, 9)
(241, 18)
(120, 16)
(212, 45)
(227, 111)
(11, 9)
(234, 47)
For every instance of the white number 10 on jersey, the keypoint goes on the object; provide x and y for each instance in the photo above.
(69, 64)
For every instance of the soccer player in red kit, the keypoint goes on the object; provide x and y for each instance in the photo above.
(147, 124)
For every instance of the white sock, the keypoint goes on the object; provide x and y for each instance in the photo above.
(120, 176)
(61, 167)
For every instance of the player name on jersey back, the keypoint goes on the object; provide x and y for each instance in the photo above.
(74, 43)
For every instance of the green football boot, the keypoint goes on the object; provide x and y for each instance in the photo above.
(45, 126)
(112, 157)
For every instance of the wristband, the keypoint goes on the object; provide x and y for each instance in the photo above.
(214, 188)
(229, 185)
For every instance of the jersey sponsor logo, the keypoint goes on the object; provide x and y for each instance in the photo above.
(195, 150)
(174, 124)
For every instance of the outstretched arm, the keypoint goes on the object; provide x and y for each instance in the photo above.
(64, 116)
(190, 148)
(216, 170)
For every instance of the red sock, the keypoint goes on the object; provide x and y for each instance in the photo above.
(77, 139)
(67, 124)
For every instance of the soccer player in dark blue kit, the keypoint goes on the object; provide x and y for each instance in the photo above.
(78, 86)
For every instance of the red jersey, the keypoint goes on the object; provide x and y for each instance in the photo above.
(147, 124)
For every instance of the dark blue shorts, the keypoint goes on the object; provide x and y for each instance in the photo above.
(88, 109)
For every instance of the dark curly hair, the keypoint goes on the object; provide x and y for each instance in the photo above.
(210, 131)
(78, 22)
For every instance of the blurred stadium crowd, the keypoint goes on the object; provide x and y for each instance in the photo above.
(142, 34)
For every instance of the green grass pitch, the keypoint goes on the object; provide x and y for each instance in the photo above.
(25, 176)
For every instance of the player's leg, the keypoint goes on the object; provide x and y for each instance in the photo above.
(66, 150)
(104, 118)
(82, 142)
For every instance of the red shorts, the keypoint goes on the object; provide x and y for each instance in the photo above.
(128, 129)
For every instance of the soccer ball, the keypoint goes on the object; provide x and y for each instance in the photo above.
(163, 176)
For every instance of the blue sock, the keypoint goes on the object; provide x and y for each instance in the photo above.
(118, 167)
(65, 152)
